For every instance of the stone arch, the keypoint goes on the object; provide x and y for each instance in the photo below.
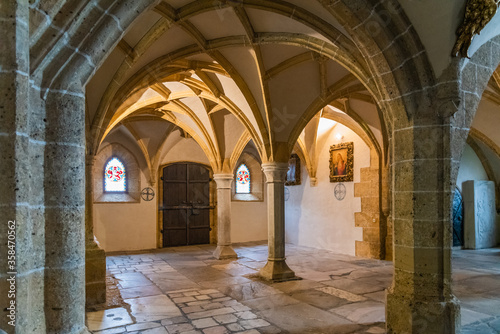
(161, 66)
(396, 57)
(475, 73)
(377, 49)
(60, 80)
(473, 77)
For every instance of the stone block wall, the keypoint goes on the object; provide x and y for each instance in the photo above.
(369, 217)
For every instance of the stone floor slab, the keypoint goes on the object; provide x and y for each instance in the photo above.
(362, 313)
(301, 317)
(105, 319)
(141, 291)
(338, 293)
(153, 308)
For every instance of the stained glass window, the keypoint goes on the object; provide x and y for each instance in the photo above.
(115, 178)
(242, 180)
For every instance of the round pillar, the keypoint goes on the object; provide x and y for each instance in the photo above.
(276, 268)
(224, 249)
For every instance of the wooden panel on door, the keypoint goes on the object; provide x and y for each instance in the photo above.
(199, 197)
(186, 205)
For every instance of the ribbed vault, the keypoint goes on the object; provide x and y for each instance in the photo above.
(227, 73)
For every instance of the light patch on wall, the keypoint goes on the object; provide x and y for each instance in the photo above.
(470, 168)
(314, 217)
(336, 109)
(325, 125)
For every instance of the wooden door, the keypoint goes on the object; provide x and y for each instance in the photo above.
(186, 205)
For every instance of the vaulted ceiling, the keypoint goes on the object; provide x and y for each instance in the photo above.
(226, 75)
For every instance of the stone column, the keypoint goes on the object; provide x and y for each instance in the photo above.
(65, 212)
(276, 268)
(21, 178)
(224, 249)
(420, 299)
(95, 258)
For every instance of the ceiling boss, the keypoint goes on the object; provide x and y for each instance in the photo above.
(478, 13)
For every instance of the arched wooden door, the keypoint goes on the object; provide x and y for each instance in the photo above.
(186, 204)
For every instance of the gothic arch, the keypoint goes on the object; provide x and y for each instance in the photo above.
(394, 95)
(399, 70)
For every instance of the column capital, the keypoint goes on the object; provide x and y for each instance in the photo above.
(90, 159)
(223, 180)
(275, 171)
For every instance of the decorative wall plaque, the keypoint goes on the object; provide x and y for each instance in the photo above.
(293, 174)
(287, 194)
(147, 194)
(341, 162)
(340, 191)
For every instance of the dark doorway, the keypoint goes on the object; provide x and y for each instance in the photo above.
(458, 219)
(186, 205)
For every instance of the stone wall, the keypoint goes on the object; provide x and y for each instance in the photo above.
(368, 189)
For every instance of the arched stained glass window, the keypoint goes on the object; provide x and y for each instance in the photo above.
(242, 180)
(115, 177)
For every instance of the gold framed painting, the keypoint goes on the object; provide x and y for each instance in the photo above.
(293, 174)
(342, 162)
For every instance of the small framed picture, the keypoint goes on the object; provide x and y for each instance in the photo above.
(293, 174)
(341, 162)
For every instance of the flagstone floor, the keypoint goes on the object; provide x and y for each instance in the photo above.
(185, 290)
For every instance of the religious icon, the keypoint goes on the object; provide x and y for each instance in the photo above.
(341, 162)
(293, 174)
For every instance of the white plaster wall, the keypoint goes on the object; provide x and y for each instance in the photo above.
(470, 168)
(487, 119)
(249, 220)
(185, 150)
(436, 23)
(126, 226)
(314, 217)
(132, 226)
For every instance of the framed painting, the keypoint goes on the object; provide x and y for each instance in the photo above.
(293, 174)
(341, 162)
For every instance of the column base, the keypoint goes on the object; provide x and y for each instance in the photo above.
(277, 271)
(224, 253)
(404, 314)
(95, 275)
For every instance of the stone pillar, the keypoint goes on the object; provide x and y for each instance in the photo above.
(480, 225)
(21, 178)
(65, 212)
(224, 249)
(276, 268)
(95, 258)
(420, 299)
